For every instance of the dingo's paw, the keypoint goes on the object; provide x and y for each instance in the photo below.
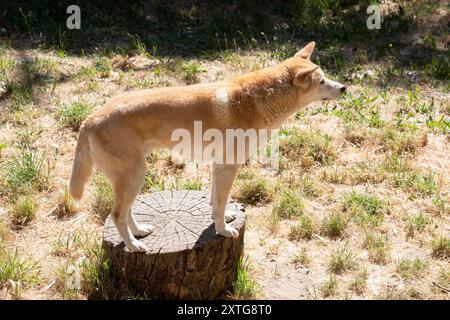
(228, 231)
(143, 230)
(230, 215)
(137, 246)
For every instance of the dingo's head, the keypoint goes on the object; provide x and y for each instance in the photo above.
(311, 81)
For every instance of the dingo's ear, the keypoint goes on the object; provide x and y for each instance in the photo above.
(307, 51)
(303, 77)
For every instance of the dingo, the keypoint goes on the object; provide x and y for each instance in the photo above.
(116, 138)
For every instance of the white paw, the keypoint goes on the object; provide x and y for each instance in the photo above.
(228, 231)
(230, 215)
(143, 230)
(137, 246)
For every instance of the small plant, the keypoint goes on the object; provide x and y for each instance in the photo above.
(87, 276)
(191, 71)
(341, 260)
(103, 67)
(288, 205)
(72, 115)
(27, 170)
(408, 268)
(16, 270)
(302, 258)
(397, 142)
(440, 246)
(192, 184)
(304, 229)
(24, 209)
(418, 184)
(244, 287)
(329, 287)
(378, 247)
(253, 190)
(364, 208)
(359, 282)
(334, 225)
(65, 206)
(416, 223)
(307, 147)
(103, 197)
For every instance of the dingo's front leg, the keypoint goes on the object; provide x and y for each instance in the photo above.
(222, 179)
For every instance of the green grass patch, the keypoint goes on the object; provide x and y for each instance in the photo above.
(17, 270)
(24, 209)
(378, 247)
(103, 197)
(334, 225)
(73, 114)
(365, 209)
(26, 170)
(244, 287)
(341, 260)
(409, 268)
(304, 229)
(289, 204)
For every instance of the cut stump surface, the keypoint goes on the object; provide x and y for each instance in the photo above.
(186, 260)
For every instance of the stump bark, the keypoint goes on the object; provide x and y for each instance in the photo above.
(187, 259)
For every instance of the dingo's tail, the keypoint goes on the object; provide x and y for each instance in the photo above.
(82, 165)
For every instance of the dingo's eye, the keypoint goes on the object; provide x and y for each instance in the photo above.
(322, 81)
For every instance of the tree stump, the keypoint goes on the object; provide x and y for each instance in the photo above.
(187, 259)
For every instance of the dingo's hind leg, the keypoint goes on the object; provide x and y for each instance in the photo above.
(127, 186)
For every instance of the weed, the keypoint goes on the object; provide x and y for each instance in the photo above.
(334, 225)
(24, 209)
(73, 114)
(341, 260)
(288, 205)
(378, 247)
(440, 246)
(244, 287)
(409, 268)
(103, 197)
(304, 229)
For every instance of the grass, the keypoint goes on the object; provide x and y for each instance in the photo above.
(191, 184)
(378, 247)
(341, 260)
(17, 271)
(65, 206)
(24, 209)
(399, 143)
(288, 205)
(19, 94)
(252, 189)
(73, 114)
(191, 71)
(440, 246)
(409, 268)
(304, 229)
(302, 258)
(359, 282)
(244, 287)
(334, 225)
(27, 170)
(103, 197)
(365, 209)
(85, 277)
(416, 223)
(418, 184)
(307, 148)
(329, 287)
